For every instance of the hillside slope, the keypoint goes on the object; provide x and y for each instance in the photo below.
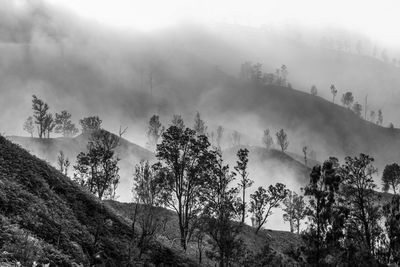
(48, 149)
(330, 129)
(45, 217)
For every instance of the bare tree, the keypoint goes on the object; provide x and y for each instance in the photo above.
(154, 131)
(63, 163)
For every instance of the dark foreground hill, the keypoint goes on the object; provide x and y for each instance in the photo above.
(48, 150)
(45, 217)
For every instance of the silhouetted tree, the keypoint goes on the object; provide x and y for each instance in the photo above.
(294, 210)
(245, 182)
(322, 193)
(40, 109)
(90, 124)
(222, 210)
(97, 169)
(263, 201)
(347, 99)
(63, 163)
(64, 125)
(391, 177)
(391, 212)
(267, 139)
(183, 170)
(28, 126)
(361, 200)
(199, 125)
(333, 92)
(282, 140)
(314, 90)
(357, 108)
(154, 131)
(178, 121)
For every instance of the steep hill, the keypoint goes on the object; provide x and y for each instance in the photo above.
(48, 149)
(45, 217)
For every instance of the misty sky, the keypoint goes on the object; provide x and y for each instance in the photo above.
(376, 18)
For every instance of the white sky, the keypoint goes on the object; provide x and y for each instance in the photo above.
(376, 18)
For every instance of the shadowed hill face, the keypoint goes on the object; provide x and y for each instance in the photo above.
(71, 225)
(48, 149)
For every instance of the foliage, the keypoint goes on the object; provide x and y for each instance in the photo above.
(347, 99)
(178, 121)
(183, 175)
(28, 126)
(282, 140)
(391, 177)
(357, 108)
(314, 90)
(294, 210)
(90, 124)
(40, 109)
(267, 139)
(155, 130)
(245, 182)
(97, 170)
(263, 201)
(64, 125)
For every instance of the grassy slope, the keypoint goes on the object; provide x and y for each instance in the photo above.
(39, 200)
(331, 129)
(279, 241)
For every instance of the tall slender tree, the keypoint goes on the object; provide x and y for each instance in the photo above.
(245, 182)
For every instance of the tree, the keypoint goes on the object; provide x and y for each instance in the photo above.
(361, 200)
(235, 138)
(295, 210)
(372, 115)
(305, 155)
(263, 201)
(391, 177)
(314, 90)
(391, 212)
(185, 161)
(40, 109)
(97, 170)
(333, 92)
(256, 73)
(220, 133)
(380, 118)
(246, 71)
(64, 125)
(154, 131)
(199, 125)
(178, 121)
(63, 163)
(48, 124)
(357, 108)
(28, 126)
(322, 192)
(245, 181)
(282, 140)
(220, 213)
(146, 193)
(347, 99)
(267, 139)
(90, 124)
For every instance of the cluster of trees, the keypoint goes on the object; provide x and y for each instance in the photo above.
(46, 123)
(253, 72)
